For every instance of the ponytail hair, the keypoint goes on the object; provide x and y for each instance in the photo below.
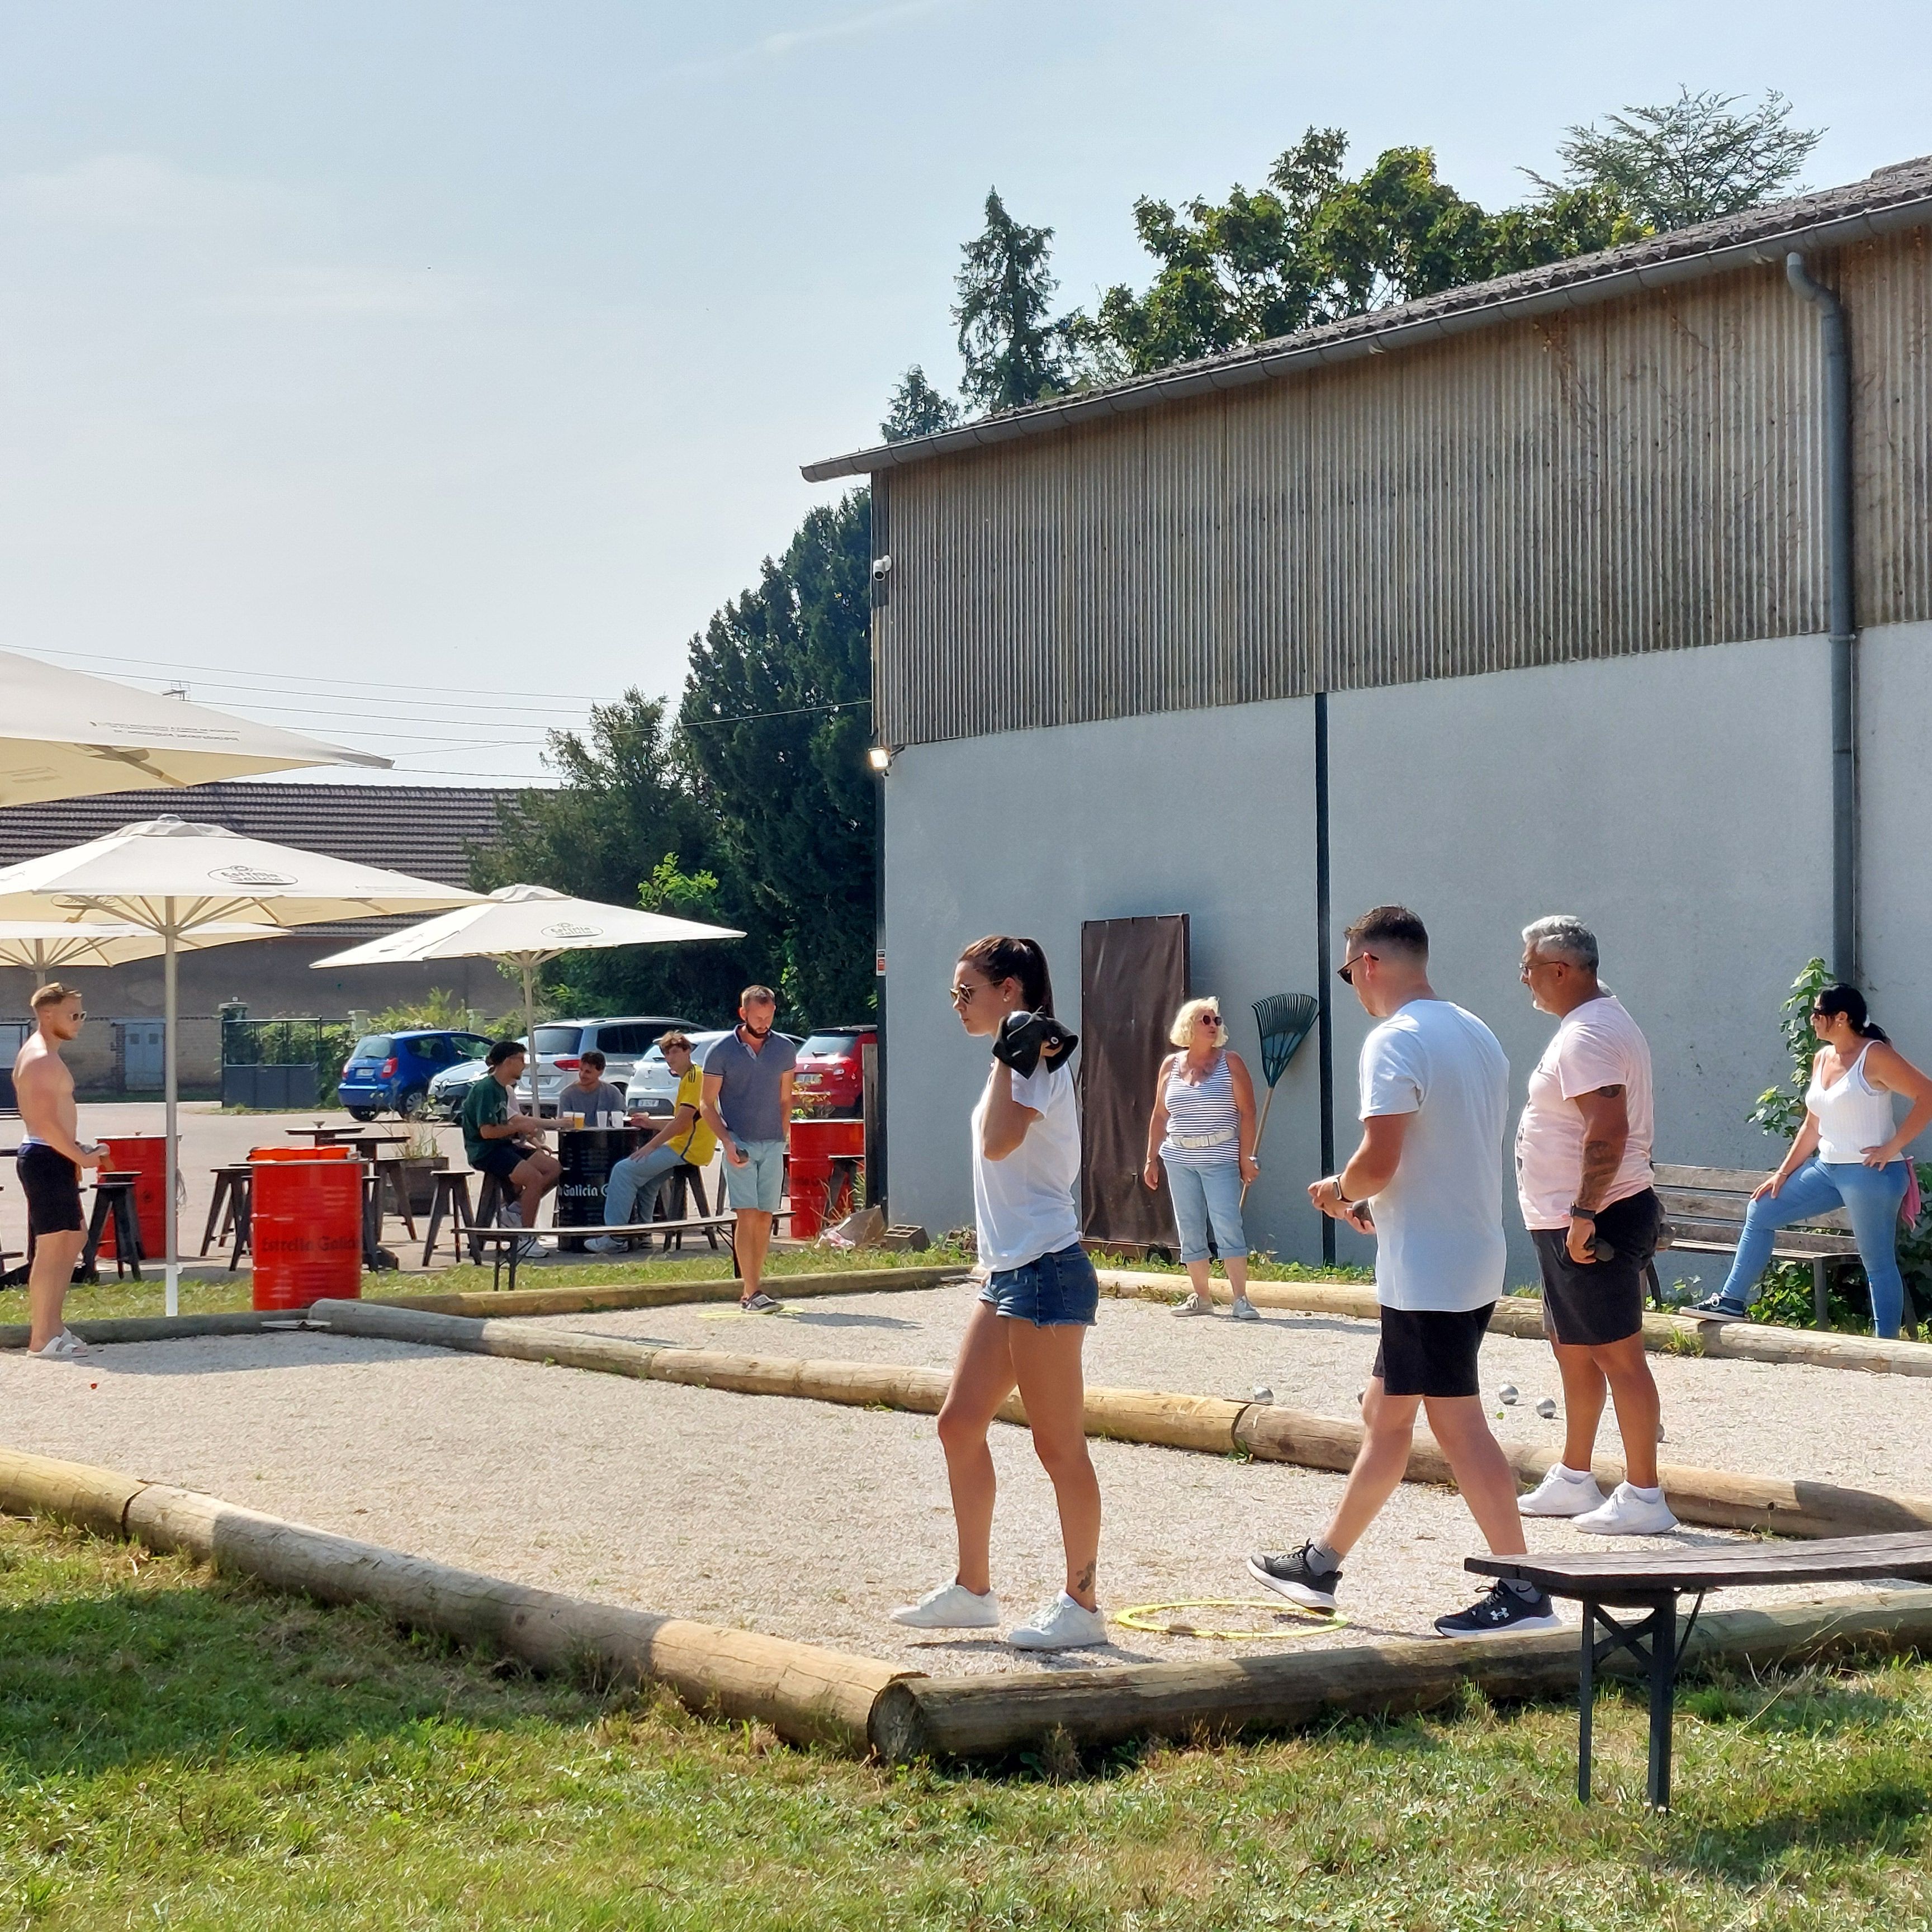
(1849, 1001)
(997, 957)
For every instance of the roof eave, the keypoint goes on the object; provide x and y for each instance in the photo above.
(1397, 330)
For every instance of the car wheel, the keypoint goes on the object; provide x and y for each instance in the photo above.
(412, 1104)
(361, 1113)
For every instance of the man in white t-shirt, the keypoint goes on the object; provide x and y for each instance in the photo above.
(1427, 1180)
(1583, 1178)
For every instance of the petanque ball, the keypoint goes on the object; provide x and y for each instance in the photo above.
(1263, 1392)
(1546, 1408)
(1507, 1395)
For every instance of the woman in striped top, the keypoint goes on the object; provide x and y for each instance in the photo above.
(1202, 1131)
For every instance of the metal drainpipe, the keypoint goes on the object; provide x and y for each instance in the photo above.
(1845, 961)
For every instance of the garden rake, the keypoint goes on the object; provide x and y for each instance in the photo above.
(1285, 1020)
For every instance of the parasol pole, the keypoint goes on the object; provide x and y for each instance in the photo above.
(170, 1079)
(528, 962)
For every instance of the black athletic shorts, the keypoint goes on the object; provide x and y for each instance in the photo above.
(52, 1184)
(1588, 1303)
(1431, 1350)
(501, 1158)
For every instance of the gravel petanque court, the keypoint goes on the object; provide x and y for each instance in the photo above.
(808, 1520)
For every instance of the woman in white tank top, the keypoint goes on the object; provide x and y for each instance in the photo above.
(1849, 1153)
(1202, 1131)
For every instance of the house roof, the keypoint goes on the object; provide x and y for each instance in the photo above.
(425, 830)
(1896, 197)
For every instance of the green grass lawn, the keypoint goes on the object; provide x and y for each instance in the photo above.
(177, 1751)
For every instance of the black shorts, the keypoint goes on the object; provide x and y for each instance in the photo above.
(52, 1184)
(1431, 1350)
(1586, 1304)
(501, 1158)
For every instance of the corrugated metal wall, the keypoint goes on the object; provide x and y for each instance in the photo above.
(1643, 476)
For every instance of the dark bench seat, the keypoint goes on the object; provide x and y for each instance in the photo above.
(505, 1241)
(1652, 1581)
(1704, 1210)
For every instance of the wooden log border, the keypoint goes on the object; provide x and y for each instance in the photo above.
(1717, 1497)
(522, 1301)
(812, 1695)
(1521, 1315)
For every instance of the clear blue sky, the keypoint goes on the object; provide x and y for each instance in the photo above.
(476, 346)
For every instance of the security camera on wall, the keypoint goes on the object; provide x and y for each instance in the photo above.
(882, 567)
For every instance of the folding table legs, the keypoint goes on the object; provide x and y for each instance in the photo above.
(1655, 1644)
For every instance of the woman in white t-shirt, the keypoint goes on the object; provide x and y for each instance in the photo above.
(1030, 1324)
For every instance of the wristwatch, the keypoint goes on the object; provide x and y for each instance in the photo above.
(1341, 1199)
(1577, 1213)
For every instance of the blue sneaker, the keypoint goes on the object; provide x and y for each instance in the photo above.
(1719, 1308)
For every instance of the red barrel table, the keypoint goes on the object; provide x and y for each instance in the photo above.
(144, 1156)
(305, 1226)
(824, 1155)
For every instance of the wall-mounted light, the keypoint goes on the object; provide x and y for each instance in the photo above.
(880, 758)
(882, 568)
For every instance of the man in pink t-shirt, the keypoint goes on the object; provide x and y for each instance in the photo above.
(1583, 1179)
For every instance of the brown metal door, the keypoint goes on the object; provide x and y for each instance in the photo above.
(1133, 975)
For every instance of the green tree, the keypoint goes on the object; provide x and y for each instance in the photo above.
(773, 731)
(1015, 353)
(622, 804)
(916, 408)
(1316, 244)
(1690, 159)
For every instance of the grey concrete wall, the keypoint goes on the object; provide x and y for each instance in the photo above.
(1895, 789)
(1679, 801)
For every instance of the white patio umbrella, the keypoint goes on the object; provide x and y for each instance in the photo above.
(65, 734)
(44, 946)
(526, 926)
(175, 878)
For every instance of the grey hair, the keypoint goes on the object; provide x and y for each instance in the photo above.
(1566, 936)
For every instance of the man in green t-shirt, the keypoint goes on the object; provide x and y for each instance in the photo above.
(508, 1145)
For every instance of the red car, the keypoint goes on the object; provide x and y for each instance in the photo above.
(831, 1077)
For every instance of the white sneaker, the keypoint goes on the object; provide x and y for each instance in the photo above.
(529, 1247)
(1626, 1514)
(509, 1214)
(1561, 1494)
(67, 1346)
(1062, 1625)
(607, 1244)
(951, 1606)
(1244, 1310)
(1195, 1304)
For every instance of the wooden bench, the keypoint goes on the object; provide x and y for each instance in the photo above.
(1653, 1580)
(505, 1241)
(1704, 1210)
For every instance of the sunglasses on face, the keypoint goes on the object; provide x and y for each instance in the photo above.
(1346, 972)
(1207, 1019)
(962, 996)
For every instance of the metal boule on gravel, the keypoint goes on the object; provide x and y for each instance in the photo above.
(1507, 1395)
(1546, 1408)
(1262, 1392)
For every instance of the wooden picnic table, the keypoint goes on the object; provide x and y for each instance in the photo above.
(1653, 1580)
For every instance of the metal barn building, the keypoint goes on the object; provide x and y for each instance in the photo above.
(1605, 588)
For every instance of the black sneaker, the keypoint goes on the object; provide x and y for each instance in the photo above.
(1502, 1610)
(1292, 1576)
(1718, 1308)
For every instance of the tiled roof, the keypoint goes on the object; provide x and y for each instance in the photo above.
(425, 830)
(1890, 198)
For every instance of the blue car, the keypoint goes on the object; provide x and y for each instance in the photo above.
(391, 1071)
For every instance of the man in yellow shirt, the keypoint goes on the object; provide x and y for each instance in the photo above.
(630, 1195)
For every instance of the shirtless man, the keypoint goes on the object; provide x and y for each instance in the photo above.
(50, 1161)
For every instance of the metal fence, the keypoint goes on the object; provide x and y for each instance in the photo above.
(282, 1062)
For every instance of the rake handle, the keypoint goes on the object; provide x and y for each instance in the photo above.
(1260, 1129)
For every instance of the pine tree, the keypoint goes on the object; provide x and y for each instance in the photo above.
(1015, 353)
(917, 409)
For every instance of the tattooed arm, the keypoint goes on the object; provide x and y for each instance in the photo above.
(1606, 1133)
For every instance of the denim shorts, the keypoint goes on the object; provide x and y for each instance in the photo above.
(1058, 1291)
(760, 1183)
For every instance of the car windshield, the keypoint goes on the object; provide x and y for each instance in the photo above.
(558, 1039)
(842, 1044)
(373, 1046)
(470, 1045)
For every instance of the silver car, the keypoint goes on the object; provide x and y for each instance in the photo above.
(562, 1044)
(653, 1088)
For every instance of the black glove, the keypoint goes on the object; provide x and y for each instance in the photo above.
(1023, 1037)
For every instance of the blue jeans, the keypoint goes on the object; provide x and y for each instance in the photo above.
(1871, 1195)
(1202, 1194)
(631, 1194)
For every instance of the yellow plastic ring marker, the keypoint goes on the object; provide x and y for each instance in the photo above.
(1306, 1622)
